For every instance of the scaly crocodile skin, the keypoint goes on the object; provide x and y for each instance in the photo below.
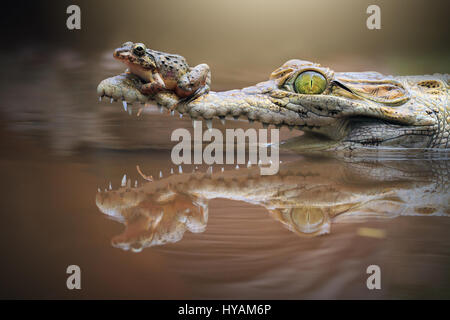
(357, 109)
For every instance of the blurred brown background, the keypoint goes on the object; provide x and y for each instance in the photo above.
(250, 35)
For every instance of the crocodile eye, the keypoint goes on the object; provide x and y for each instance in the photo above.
(310, 82)
(139, 49)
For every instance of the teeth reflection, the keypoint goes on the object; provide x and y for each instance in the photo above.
(124, 180)
(249, 164)
(124, 105)
(110, 186)
(160, 174)
(171, 170)
(111, 101)
(180, 170)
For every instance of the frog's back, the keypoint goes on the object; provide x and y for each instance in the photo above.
(170, 65)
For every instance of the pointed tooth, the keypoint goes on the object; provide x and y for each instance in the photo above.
(271, 162)
(98, 189)
(106, 190)
(160, 108)
(124, 180)
(259, 163)
(110, 186)
(237, 166)
(172, 113)
(249, 164)
(99, 98)
(124, 105)
(135, 183)
(160, 174)
(180, 169)
(209, 124)
(181, 115)
(196, 168)
(171, 170)
(223, 169)
(222, 119)
(209, 171)
(111, 101)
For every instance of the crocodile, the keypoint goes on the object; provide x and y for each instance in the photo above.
(306, 196)
(335, 110)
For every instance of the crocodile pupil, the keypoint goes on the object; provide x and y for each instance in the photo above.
(310, 82)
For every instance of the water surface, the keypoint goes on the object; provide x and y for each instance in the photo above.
(308, 232)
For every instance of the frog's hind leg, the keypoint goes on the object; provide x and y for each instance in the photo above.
(194, 83)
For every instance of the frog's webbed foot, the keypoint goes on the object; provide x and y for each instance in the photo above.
(200, 91)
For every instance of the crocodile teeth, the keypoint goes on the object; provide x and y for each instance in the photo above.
(249, 164)
(124, 180)
(172, 113)
(111, 101)
(209, 171)
(209, 124)
(98, 189)
(237, 166)
(99, 98)
(259, 163)
(180, 169)
(135, 183)
(160, 109)
(160, 174)
(222, 169)
(181, 115)
(110, 186)
(222, 119)
(124, 105)
(171, 170)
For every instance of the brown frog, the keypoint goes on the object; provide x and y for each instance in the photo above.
(163, 71)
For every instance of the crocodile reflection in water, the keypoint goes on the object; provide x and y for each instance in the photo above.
(306, 196)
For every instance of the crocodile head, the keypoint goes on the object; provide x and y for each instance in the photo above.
(336, 110)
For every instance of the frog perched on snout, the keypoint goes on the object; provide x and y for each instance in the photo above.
(163, 71)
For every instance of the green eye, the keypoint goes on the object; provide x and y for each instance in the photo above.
(310, 82)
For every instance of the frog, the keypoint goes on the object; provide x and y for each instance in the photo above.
(162, 71)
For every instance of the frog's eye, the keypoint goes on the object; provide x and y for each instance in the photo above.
(310, 82)
(139, 49)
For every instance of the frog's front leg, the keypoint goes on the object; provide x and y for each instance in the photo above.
(155, 85)
(194, 83)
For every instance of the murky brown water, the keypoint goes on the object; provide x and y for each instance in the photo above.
(308, 232)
